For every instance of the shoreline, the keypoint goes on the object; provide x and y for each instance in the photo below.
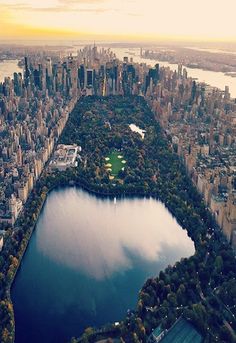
(33, 227)
(100, 194)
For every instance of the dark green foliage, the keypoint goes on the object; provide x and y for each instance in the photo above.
(202, 287)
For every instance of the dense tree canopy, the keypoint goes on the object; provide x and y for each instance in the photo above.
(202, 287)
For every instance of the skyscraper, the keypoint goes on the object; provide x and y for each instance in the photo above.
(89, 78)
(27, 72)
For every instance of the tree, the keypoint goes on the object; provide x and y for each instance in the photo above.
(218, 263)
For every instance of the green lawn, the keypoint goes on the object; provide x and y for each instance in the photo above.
(116, 162)
(118, 110)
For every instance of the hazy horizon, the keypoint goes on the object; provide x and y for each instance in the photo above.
(126, 20)
(69, 43)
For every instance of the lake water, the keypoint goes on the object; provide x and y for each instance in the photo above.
(215, 79)
(87, 260)
(7, 68)
(137, 129)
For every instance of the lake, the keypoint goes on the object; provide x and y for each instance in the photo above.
(137, 129)
(87, 260)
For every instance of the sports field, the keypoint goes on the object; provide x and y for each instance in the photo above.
(115, 162)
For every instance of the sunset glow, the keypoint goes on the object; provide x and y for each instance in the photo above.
(126, 19)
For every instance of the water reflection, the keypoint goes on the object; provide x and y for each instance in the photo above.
(7, 68)
(87, 260)
(95, 235)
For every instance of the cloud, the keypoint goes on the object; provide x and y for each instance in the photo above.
(63, 9)
(108, 247)
(134, 14)
(79, 2)
(57, 9)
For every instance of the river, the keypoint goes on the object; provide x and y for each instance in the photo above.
(7, 68)
(215, 79)
(87, 260)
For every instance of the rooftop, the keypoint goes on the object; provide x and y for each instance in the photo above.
(182, 332)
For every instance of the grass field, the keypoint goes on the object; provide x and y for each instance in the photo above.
(115, 162)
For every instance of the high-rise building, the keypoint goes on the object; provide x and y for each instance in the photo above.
(27, 72)
(89, 78)
(227, 93)
(180, 67)
(81, 76)
(36, 78)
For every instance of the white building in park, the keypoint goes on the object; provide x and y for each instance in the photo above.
(65, 157)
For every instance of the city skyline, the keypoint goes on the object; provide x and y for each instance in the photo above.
(130, 20)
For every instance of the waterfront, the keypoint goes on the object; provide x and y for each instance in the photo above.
(8, 67)
(79, 265)
(215, 79)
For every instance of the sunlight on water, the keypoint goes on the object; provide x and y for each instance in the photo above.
(7, 68)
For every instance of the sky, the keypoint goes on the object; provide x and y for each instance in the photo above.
(135, 20)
